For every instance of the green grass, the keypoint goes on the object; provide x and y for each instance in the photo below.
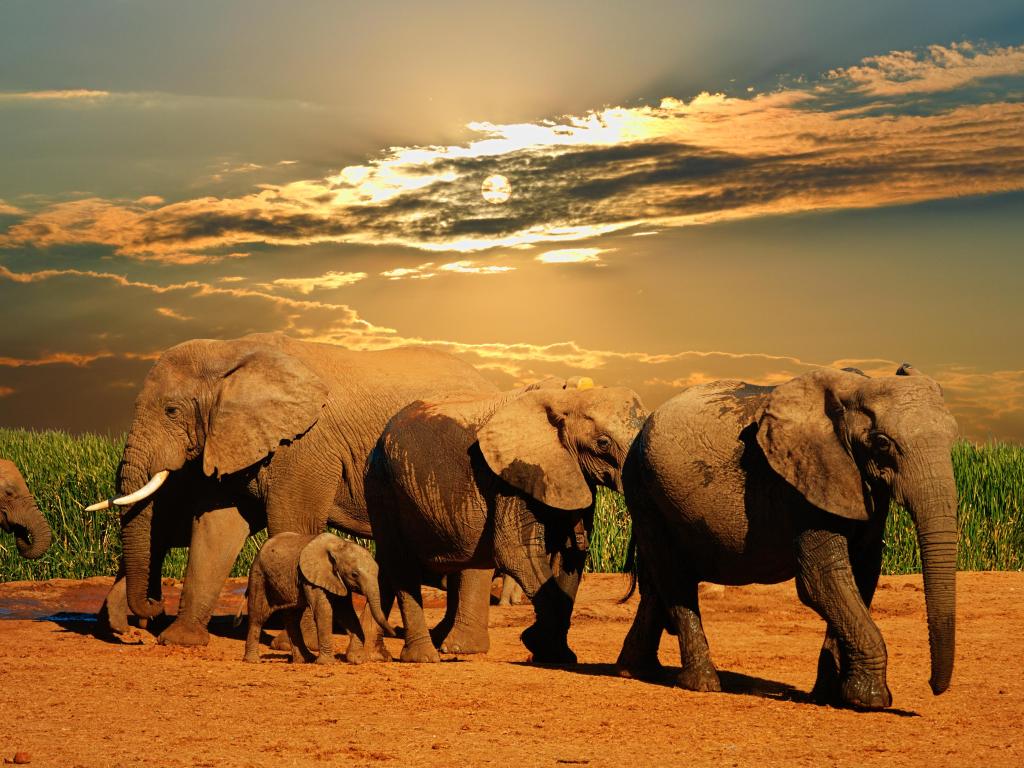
(64, 472)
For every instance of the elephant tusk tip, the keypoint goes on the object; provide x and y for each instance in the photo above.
(99, 506)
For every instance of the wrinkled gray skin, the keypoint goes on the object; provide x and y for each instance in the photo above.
(294, 571)
(739, 484)
(20, 515)
(263, 431)
(503, 482)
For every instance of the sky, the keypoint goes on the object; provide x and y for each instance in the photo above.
(654, 194)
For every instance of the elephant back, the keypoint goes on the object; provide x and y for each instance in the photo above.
(279, 560)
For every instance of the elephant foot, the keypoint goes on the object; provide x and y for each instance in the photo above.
(463, 641)
(281, 642)
(546, 650)
(359, 653)
(826, 685)
(422, 652)
(113, 614)
(326, 658)
(648, 672)
(864, 690)
(184, 632)
(251, 657)
(699, 677)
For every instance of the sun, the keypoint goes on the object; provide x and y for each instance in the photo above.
(496, 189)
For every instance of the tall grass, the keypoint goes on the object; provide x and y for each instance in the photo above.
(65, 472)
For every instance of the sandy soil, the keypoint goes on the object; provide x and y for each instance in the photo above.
(68, 698)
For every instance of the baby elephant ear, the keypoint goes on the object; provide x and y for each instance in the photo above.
(522, 444)
(802, 434)
(316, 562)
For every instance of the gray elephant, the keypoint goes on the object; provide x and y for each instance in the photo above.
(20, 515)
(503, 482)
(230, 437)
(294, 571)
(734, 483)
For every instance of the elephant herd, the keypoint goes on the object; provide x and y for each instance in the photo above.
(727, 482)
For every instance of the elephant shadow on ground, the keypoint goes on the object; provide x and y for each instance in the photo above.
(733, 684)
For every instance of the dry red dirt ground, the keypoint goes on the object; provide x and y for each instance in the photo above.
(68, 698)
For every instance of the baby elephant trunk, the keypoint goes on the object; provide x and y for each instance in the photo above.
(368, 586)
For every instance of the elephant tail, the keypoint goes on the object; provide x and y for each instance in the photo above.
(238, 615)
(630, 565)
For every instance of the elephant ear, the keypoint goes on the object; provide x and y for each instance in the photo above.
(803, 434)
(316, 562)
(267, 398)
(522, 444)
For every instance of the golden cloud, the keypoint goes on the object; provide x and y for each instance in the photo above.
(72, 94)
(326, 281)
(840, 143)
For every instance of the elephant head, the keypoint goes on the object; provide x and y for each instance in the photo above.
(558, 444)
(338, 565)
(849, 444)
(20, 515)
(218, 407)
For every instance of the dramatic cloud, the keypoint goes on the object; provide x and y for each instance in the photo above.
(572, 256)
(940, 68)
(712, 158)
(325, 281)
(75, 94)
(168, 312)
(430, 269)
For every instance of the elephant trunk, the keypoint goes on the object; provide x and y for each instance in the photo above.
(932, 505)
(369, 587)
(137, 540)
(31, 531)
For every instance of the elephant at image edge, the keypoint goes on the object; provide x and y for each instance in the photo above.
(20, 515)
(740, 484)
(503, 482)
(293, 571)
(229, 437)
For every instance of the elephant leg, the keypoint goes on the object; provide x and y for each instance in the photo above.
(368, 645)
(258, 611)
(511, 592)
(698, 671)
(866, 562)
(468, 607)
(826, 583)
(293, 627)
(217, 538)
(113, 615)
(323, 616)
(546, 638)
(639, 655)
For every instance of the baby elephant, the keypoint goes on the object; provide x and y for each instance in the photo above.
(293, 571)
(20, 515)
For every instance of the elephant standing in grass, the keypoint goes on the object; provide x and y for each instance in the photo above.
(294, 571)
(740, 484)
(229, 437)
(504, 482)
(20, 515)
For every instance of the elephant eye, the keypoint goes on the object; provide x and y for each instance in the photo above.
(172, 411)
(604, 443)
(880, 442)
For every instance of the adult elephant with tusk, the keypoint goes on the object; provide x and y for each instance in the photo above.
(734, 483)
(229, 437)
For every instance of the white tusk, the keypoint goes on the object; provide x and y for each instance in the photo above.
(144, 492)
